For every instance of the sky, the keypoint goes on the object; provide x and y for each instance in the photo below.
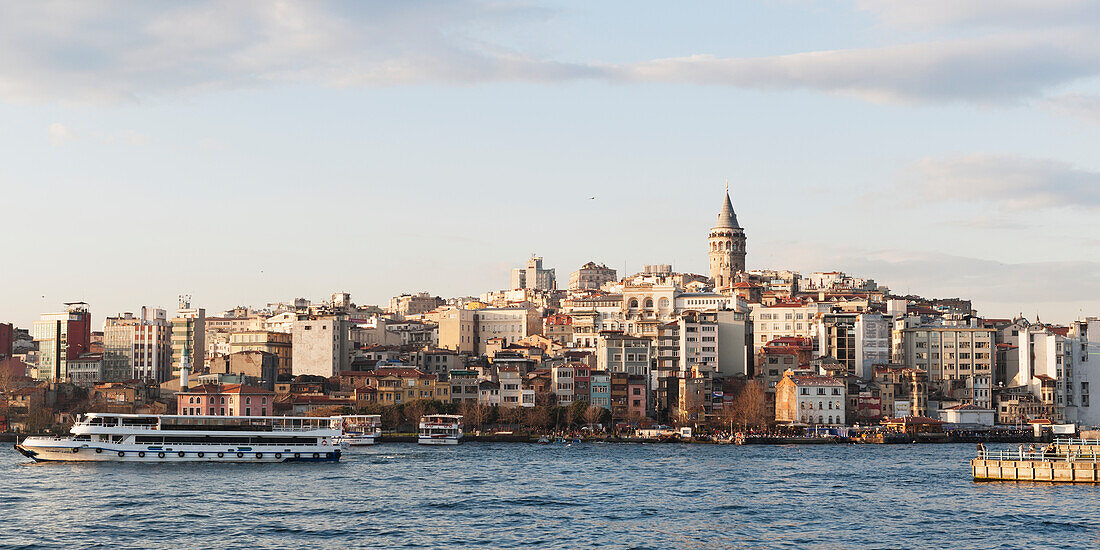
(251, 152)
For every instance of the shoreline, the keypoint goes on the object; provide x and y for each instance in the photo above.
(895, 439)
(771, 440)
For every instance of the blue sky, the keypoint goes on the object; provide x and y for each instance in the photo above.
(253, 152)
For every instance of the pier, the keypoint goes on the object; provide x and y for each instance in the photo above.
(1065, 461)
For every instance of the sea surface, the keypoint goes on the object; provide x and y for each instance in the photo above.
(588, 495)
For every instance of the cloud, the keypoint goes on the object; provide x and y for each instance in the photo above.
(1077, 106)
(118, 52)
(1010, 181)
(59, 134)
(132, 137)
(983, 13)
(1000, 68)
(991, 223)
(1058, 290)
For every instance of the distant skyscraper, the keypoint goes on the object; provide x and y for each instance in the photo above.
(61, 337)
(727, 247)
(534, 276)
(7, 334)
(137, 347)
(188, 332)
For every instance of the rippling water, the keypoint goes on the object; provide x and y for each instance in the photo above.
(481, 495)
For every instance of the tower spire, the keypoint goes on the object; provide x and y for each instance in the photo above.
(727, 218)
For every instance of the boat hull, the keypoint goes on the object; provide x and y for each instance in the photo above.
(57, 451)
(357, 441)
(439, 441)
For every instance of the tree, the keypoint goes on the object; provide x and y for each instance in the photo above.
(331, 410)
(474, 414)
(728, 415)
(592, 415)
(39, 418)
(538, 417)
(414, 410)
(576, 412)
(391, 416)
(748, 406)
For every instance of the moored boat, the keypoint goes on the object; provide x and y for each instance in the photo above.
(357, 430)
(108, 437)
(440, 429)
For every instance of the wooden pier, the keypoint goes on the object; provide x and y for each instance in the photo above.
(1065, 461)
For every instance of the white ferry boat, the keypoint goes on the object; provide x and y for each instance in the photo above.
(103, 437)
(440, 429)
(356, 430)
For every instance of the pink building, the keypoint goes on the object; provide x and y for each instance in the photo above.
(637, 396)
(225, 400)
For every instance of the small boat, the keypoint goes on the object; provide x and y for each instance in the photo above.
(440, 429)
(108, 437)
(358, 430)
(544, 440)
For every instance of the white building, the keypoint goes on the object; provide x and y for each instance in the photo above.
(786, 319)
(534, 276)
(562, 383)
(591, 277)
(858, 340)
(805, 398)
(511, 388)
(968, 414)
(320, 346)
(1081, 361)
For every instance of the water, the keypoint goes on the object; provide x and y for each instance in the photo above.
(481, 495)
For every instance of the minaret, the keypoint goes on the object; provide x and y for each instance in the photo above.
(727, 246)
(185, 370)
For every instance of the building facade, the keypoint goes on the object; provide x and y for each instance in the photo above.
(591, 277)
(320, 346)
(534, 276)
(278, 344)
(810, 399)
(61, 337)
(188, 333)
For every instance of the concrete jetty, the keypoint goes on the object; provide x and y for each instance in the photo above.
(1064, 461)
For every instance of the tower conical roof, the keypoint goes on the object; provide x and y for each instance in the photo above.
(727, 218)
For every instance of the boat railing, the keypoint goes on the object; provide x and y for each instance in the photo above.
(1039, 455)
(1072, 441)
